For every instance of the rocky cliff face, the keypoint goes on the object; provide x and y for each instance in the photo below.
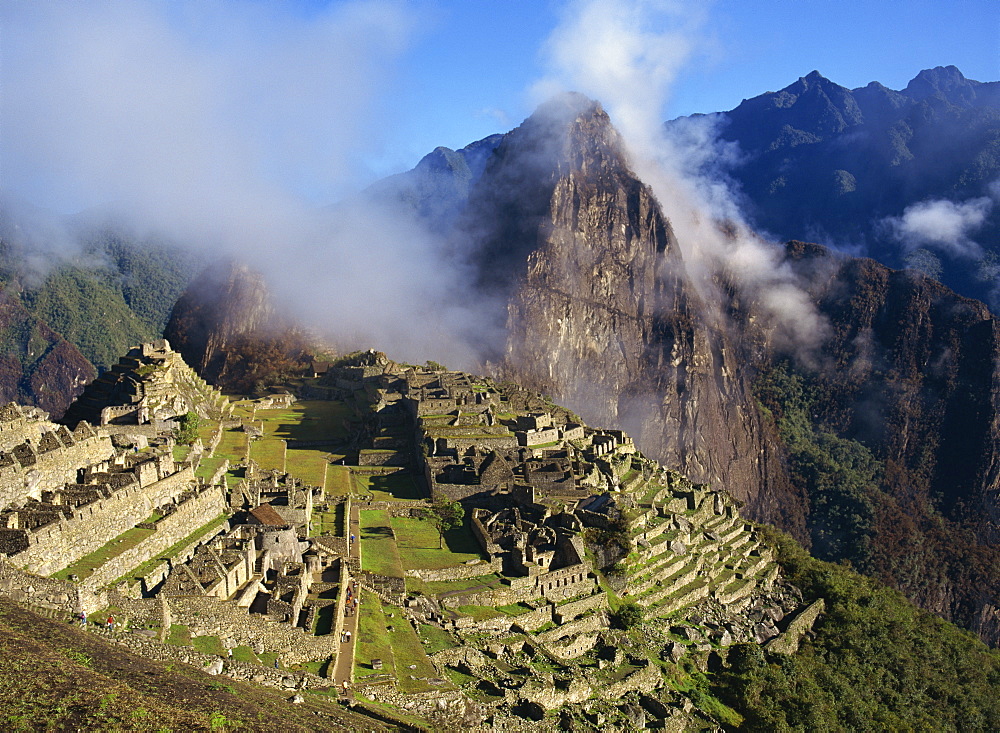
(599, 313)
(226, 327)
(913, 373)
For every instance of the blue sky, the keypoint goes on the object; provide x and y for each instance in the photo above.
(481, 56)
(221, 102)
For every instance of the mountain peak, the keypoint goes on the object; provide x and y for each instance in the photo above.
(945, 81)
(567, 106)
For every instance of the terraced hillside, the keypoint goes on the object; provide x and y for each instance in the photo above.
(433, 550)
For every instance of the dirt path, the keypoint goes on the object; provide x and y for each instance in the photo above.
(344, 671)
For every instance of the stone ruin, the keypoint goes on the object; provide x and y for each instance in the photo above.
(149, 386)
(548, 499)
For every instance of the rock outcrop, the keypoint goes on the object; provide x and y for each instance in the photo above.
(913, 375)
(227, 328)
(600, 314)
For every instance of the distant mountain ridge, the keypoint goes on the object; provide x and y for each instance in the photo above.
(834, 165)
(74, 295)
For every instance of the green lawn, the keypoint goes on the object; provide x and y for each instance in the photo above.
(179, 635)
(373, 638)
(245, 654)
(328, 523)
(407, 651)
(87, 564)
(208, 645)
(232, 446)
(308, 464)
(308, 420)
(268, 453)
(378, 548)
(208, 466)
(418, 540)
(338, 481)
(437, 587)
(391, 487)
(436, 638)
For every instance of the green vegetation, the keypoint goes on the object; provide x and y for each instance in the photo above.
(245, 654)
(389, 487)
(420, 545)
(171, 551)
(876, 663)
(55, 677)
(628, 615)
(439, 587)
(446, 515)
(179, 635)
(90, 562)
(339, 481)
(208, 645)
(268, 453)
(186, 432)
(435, 639)
(408, 653)
(373, 638)
(90, 312)
(840, 476)
(378, 544)
(308, 420)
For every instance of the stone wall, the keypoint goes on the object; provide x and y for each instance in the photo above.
(573, 648)
(459, 572)
(594, 622)
(191, 514)
(565, 582)
(50, 468)
(18, 423)
(553, 586)
(485, 541)
(534, 620)
(382, 458)
(56, 545)
(569, 611)
(457, 492)
(161, 570)
(150, 649)
(486, 443)
(46, 593)
(211, 617)
(788, 641)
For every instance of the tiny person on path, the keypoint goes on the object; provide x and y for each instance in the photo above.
(111, 623)
(83, 618)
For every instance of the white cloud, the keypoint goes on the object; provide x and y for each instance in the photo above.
(222, 126)
(192, 110)
(627, 54)
(942, 225)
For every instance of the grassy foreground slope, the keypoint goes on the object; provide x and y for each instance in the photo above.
(875, 662)
(54, 676)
